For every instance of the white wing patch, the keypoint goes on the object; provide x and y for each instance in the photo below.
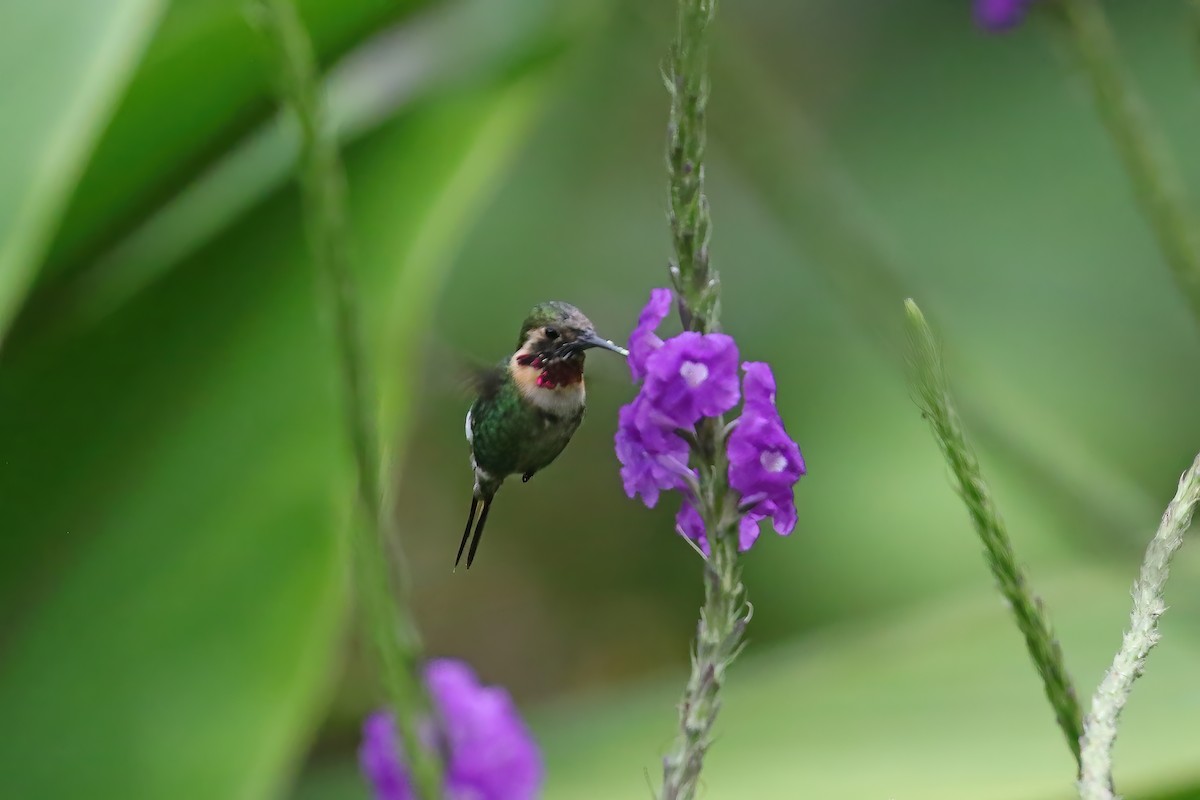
(480, 474)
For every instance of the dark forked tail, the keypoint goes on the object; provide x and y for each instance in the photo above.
(476, 503)
(487, 505)
(467, 532)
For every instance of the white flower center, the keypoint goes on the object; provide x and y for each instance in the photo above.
(693, 373)
(773, 461)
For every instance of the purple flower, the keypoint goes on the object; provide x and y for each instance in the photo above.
(689, 523)
(652, 456)
(1000, 15)
(379, 758)
(692, 376)
(644, 341)
(764, 462)
(685, 379)
(758, 385)
(783, 518)
(491, 754)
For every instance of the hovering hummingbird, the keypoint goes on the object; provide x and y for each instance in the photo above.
(528, 406)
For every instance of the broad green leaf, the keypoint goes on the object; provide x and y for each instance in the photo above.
(419, 58)
(201, 87)
(937, 702)
(65, 64)
(186, 645)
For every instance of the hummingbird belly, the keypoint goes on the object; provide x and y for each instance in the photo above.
(512, 436)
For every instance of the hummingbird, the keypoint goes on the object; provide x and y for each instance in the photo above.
(528, 406)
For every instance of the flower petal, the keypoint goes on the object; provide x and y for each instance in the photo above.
(690, 524)
(692, 376)
(644, 341)
(758, 384)
(379, 759)
(491, 753)
(748, 530)
(652, 457)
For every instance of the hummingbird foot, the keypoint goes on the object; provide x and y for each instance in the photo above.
(525, 478)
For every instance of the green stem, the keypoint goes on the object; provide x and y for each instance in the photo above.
(396, 640)
(928, 379)
(725, 613)
(1100, 727)
(1084, 29)
(719, 636)
(697, 285)
(723, 619)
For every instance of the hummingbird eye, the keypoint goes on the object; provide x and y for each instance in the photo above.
(551, 333)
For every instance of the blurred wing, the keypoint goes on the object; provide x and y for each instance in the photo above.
(447, 371)
(482, 381)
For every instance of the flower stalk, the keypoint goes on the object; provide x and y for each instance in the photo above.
(323, 182)
(1100, 726)
(686, 77)
(719, 632)
(1083, 28)
(725, 614)
(928, 379)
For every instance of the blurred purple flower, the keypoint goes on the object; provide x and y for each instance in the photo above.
(379, 758)
(1000, 15)
(491, 754)
(643, 342)
(652, 455)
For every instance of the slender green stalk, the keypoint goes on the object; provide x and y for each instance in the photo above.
(928, 379)
(396, 639)
(1100, 726)
(723, 620)
(686, 77)
(1083, 27)
(725, 613)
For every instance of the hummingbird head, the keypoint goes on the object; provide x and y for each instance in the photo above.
(557, 330)
(552, 342)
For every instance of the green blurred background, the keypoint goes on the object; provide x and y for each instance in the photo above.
(175, 613)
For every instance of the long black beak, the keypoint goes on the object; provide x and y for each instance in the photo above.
(588, 340)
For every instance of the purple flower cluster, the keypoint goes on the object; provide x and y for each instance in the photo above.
(685, 379)
(490, 754)
(1000, 15)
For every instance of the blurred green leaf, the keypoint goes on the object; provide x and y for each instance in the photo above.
(936, 702)
(66, 64)
(408, 62)
(185, 647)
(200, 88)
